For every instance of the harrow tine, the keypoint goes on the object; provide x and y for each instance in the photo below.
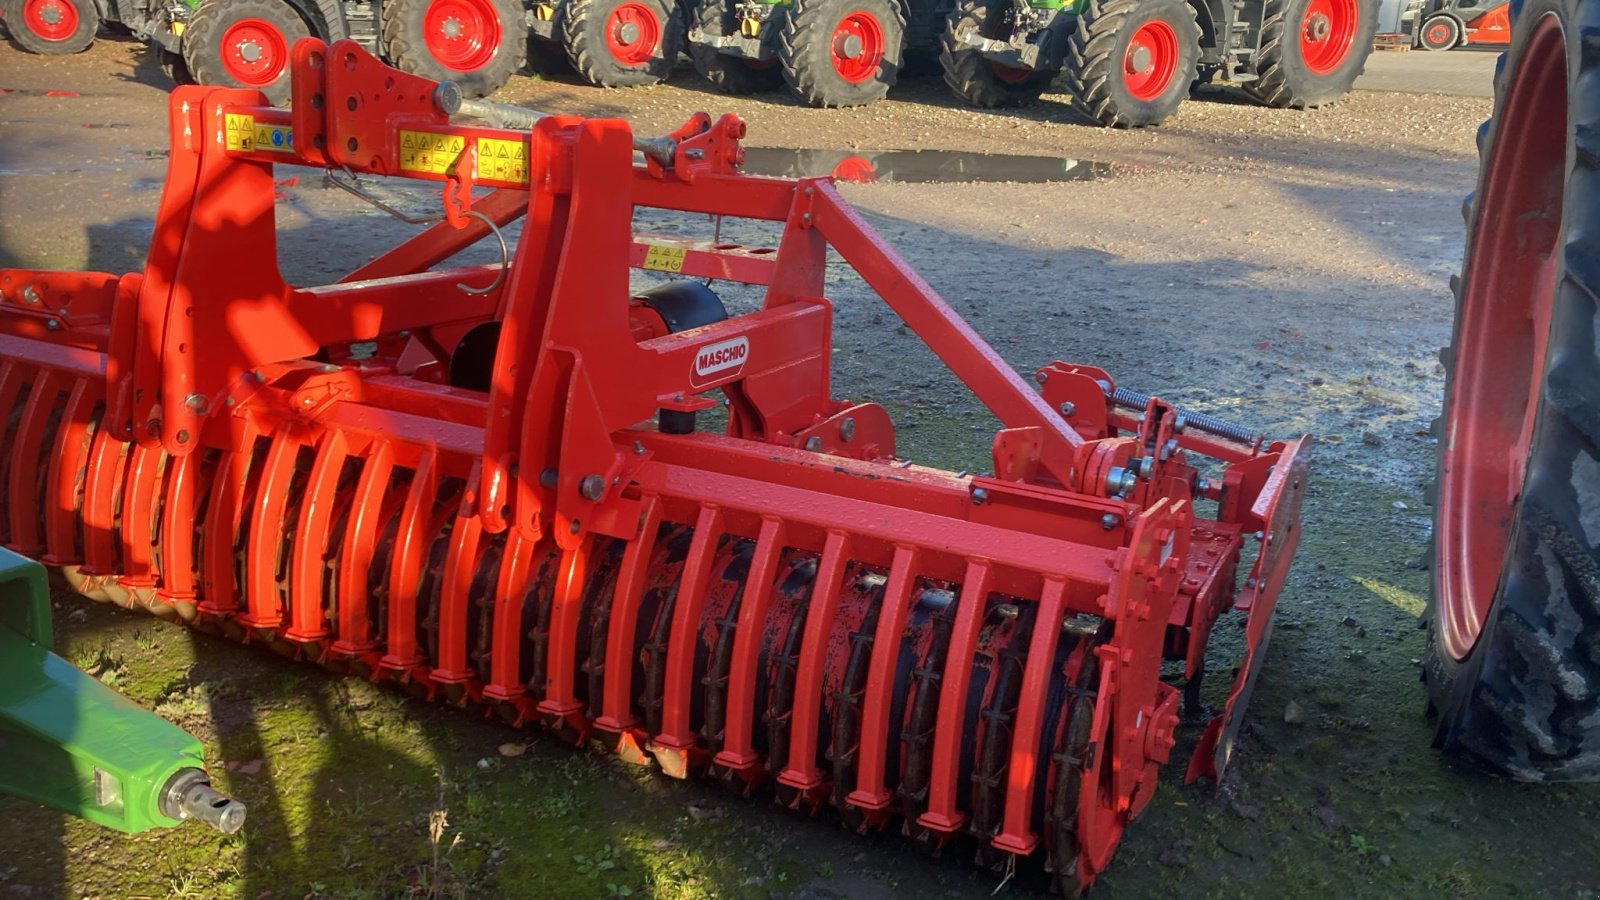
(566, 606)
(617, 707)
(269, 508)
(942, 816)
(1017, 835)
(405, 573)
(737, 753)
(178, 537)
(12, 380)
(309, 550)
(139, 493)
(899, 596)
(455, 590)
(34, 436)
(63, 490)
(676, 744)
(510, 592)
(372, 497)
(802, 773)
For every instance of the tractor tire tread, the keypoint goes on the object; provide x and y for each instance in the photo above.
(1525, 701)
(1279, 80)
(586, 44)
(969, 73)
(82, 39)
(812, 78)
(1091, 67)
(206, 28)
(405, 48)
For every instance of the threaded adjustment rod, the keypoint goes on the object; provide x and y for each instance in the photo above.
(1129, 399)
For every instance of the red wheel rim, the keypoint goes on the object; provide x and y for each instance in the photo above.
(857, 47)
(1503, 331)
(1327, 33)
(1010, 74)
(1150, 60)
(463, 35)
(254, 51)
(856, 169)
(633, 34)
(52, 20)
(1438, 34)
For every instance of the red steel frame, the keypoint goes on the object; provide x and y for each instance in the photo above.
(361, 511)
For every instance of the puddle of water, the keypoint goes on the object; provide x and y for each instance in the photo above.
(919, 166)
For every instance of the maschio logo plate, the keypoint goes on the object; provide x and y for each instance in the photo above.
(720, 361)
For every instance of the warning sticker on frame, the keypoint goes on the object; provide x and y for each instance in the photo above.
(663, 258)
(276, 138)
(239, 132)
(502, 160)
(425, 151)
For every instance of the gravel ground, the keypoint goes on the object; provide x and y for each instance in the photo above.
(1283, 269)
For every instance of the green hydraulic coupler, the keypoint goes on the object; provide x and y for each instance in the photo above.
(75, 745)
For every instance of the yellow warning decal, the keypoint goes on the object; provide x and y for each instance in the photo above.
(662, 258)
(277, 138)
(239, 132)
(425, 151)
(502, 160)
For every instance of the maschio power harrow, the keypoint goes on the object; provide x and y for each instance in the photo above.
(486, 483)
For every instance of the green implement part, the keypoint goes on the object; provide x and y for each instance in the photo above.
(73, 744)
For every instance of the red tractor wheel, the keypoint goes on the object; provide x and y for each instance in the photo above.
(976, 79)
(478, 44)
(1312, 50)
(1131, 62)
(842, 52)
(1512, 671)
(244, 43)
(1441, 33)
(624, 43)
(51, 27)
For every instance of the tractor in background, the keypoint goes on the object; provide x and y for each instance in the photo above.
(1129, 63)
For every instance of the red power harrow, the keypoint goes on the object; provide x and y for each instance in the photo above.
(485, 482)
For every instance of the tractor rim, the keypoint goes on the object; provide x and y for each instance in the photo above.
(1438, 33)
(857, 47)
(1327, 33)
(633, 34)
(1502, 335)
(463, 35)
(855, 169)
(254, 51)
(1010, 74)
(1150, 60)
(51, 20)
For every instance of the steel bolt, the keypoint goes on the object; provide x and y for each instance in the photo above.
(814, 444)
(1146, 466)
(847, 429)
(52, 325)
(1204, 485)
(592, 487)
(547, 479)
(1261, 535)
(638, 448)
(1110, 521)
(183, 436)
(29, 295)
(1068, 408)
(1041, 376)
(196, 403)
(980, 496)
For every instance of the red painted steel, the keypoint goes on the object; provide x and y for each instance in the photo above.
(785, 601)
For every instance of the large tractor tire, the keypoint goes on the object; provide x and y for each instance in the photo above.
(243, 43)
(51, 27)
(1130, 62)
(730, 74)
(976, 79)
(1513, 663)
(624, 43)
(1312, 50)
(842, 52)
(478, 44)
